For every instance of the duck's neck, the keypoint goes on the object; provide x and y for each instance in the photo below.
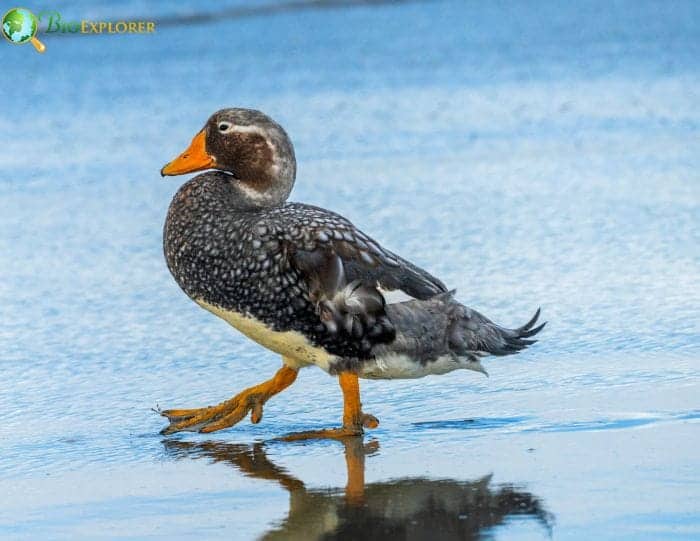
(259, 193)
(267, 186)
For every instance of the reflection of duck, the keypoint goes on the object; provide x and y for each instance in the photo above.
(305, 282)
(409, 508)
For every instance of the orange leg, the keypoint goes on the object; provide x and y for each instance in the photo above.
(231, 411)
(353, 418)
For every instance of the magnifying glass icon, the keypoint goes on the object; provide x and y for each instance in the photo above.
(19, 26)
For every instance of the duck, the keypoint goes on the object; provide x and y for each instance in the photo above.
(305, 282)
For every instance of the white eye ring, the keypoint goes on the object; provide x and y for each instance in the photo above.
(224, 127)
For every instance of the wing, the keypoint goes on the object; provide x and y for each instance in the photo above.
(351, 309)
(343, 269)
(363, 259)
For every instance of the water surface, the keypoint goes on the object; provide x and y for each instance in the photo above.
(528, 154)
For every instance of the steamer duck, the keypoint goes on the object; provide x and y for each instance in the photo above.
(304, 282)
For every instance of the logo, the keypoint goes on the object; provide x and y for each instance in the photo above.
(19, 26)
(55, 23)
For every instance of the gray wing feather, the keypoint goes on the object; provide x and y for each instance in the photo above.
(362, 257)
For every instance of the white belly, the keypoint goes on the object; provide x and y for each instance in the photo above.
(298, 352)
(294, 347)
(398, 366)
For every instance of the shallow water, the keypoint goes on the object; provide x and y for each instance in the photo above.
(527, 154)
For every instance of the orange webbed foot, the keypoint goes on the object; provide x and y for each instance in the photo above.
(213, 418)
(230, 412)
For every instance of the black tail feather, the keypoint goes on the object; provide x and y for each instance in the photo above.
(532, 321)
(475, 333)
(516, 339)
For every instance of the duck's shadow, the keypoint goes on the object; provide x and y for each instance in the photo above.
(412, 507)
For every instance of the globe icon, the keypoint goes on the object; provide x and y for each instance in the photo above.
(19, 26)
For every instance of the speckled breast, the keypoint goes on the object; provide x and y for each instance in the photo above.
(234, 261)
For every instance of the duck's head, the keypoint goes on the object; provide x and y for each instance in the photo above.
(248, 145)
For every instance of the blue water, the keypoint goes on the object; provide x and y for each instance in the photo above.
(527, 153)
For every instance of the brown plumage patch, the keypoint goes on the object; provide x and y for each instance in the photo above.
(250, 158)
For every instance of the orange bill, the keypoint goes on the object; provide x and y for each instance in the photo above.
(195, 158)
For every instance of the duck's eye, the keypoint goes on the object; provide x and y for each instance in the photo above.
(224, 127)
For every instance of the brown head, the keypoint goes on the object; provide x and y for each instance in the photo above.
(250, 146)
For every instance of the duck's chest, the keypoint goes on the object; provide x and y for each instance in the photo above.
(233, 261)
(234, 264)
(233, 271)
